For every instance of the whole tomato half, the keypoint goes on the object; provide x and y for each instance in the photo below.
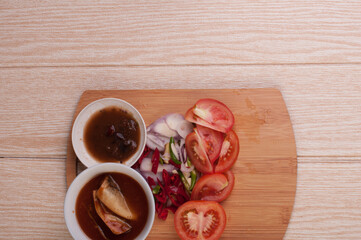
(200, 220)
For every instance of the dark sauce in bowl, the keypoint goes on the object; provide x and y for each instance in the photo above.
(92, 224)
(112, 135)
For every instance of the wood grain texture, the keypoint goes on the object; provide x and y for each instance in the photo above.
(31, 205)
(38, 104)
(63, 33)
(299, 47)
(327, 204)
(328, 201)
(265, 172)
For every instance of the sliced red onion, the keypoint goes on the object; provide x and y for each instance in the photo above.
(165, 156)
(185, 169)
(174, 150)
(173, 120)
(161, 127)
(177, 122)
(160, 138)
(184, 152)
(152, 145)
(146, 166)
(153, 176)
(182, 142)
(156, 141)
(168, 167)
(150, 128)
(171, 125)
(184, 128)
(179, 153)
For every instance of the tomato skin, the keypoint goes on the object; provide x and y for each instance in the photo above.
(193, 216)
(211, 113)
(211, 141)
(196, 153)
(199, 157)
(214, 187)
(228, 154)
(191, 117)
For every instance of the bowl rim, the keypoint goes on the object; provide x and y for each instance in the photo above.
(78, 145)
(84, 177)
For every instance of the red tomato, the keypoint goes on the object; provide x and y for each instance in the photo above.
(204, 220)
(211, 142)
(199, 157)
(197, 154)
(229, 153)
(211, 113)
(213, 187)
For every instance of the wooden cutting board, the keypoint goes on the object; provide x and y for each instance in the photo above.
(261, 202)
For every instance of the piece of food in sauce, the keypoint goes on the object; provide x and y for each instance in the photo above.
(112, 135)
(114, 223)
(110, 195)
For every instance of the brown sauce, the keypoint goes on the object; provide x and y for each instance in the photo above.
(92, 224)
(112, 135)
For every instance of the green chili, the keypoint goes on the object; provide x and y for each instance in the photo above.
(156, 189)
(193, 180)
(184, 181)
(172, 155)
(189, 162)
(161, 161)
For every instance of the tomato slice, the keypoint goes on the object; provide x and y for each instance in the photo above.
(211, 141)
(200, 220)
(229, 153)
(213, 187)
(199, 144)
(211, 113)
(197, 154)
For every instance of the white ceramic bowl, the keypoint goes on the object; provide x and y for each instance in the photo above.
(80, 122)
(88, 174)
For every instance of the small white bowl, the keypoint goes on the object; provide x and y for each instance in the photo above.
(88, 174)
(80, 122)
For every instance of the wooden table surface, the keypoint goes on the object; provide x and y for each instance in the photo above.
(51, 51)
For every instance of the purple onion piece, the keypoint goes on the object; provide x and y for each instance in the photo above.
(151, 175)
(146, 165)
(152, 145)
(184, 128)
(184, 153)
(156, 142)
(185, 169)
(179, 153)
(173, 120)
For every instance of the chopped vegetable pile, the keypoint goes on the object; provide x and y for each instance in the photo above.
(165, 164)
(188, 159)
